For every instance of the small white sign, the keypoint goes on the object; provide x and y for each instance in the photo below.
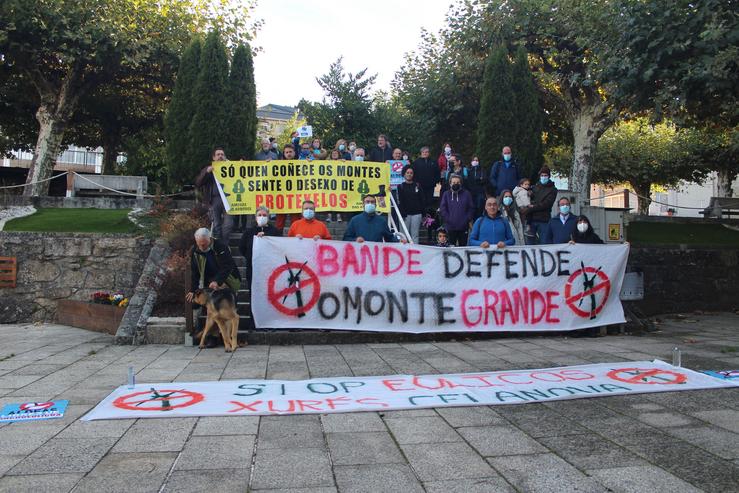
(305, 131)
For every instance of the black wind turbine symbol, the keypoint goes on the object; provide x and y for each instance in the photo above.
(294, 280)
(589, 283)
(165, 399)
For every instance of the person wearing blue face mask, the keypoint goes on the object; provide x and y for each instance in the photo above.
(369, 225)
(539, 213)
(343, 150)
(309, 226)
(504, 174)
(563, 226)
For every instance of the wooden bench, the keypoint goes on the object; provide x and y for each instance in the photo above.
(100, 184)
(722, 208)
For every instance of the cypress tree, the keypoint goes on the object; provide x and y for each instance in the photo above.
(497, 117)
(208, 126)
(527, 145)
(179, 114)
(241, 131)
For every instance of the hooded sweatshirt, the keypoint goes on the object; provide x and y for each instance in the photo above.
(457, 209)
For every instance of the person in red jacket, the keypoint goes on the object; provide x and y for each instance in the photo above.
(446, 153)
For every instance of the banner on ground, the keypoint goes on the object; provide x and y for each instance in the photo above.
(33, 411)
(282, 186)
(390, 287)
(349, 394)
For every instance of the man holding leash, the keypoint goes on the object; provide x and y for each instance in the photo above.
(211, 265)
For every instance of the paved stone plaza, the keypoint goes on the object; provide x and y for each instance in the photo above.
(676, 442)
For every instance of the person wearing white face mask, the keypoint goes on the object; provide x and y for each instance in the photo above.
(358, 154)
(585, 233)
(476, 184)
(562, 226)
(262, 228)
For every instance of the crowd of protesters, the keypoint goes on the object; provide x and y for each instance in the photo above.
(466, 205)
(493, 207)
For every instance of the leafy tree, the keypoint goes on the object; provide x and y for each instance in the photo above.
(66, 48)
(179, 114)
(208, 125)
(241, 131)
(285, 137)
(643, 154)
(528, 116)
(679, 59)
(496, 122)
(445, 71)
(346, 109)
(439, 84)
(62, 51)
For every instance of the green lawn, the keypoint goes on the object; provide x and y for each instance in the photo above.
(75, 220)
(649, 233)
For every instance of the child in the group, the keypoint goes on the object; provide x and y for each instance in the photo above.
(442, 239)
(522, 195)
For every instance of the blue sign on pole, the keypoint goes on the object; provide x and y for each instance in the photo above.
(33, 411)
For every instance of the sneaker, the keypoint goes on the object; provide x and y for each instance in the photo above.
(338, 219)
(328, 218)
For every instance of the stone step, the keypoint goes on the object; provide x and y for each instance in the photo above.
(331, 337)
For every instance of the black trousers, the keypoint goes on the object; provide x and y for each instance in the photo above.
(457, 238)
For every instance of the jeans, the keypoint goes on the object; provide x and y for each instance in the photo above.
(413, 223)
(223, 223)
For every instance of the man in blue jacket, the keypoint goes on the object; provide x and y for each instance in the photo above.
(563, 226)
(369, 226)
(505, 174)
(491, 228)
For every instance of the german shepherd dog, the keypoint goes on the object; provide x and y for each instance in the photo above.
(221, 306)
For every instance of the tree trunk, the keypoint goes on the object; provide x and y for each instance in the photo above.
(725, 180)
(54, 112)
(51, 132)
(110, 156)
(644, 196)
(589, 121)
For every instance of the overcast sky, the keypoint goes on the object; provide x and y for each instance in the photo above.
(299, 41)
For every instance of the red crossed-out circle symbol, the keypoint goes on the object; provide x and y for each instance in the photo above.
(398, 166)
(278, 297)
(35, 406)
(158, 400)
(648, 376)
(600, 290)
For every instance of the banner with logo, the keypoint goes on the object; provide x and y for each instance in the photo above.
(384, 393)
(396, 172)
(391, 287)
(33, 411)
(282, 186)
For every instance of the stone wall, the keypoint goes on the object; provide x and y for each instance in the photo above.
(681, 279)
(54, 266)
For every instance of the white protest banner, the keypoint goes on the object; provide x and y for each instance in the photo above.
(350, 394)
(305, 131)
(390, 287)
